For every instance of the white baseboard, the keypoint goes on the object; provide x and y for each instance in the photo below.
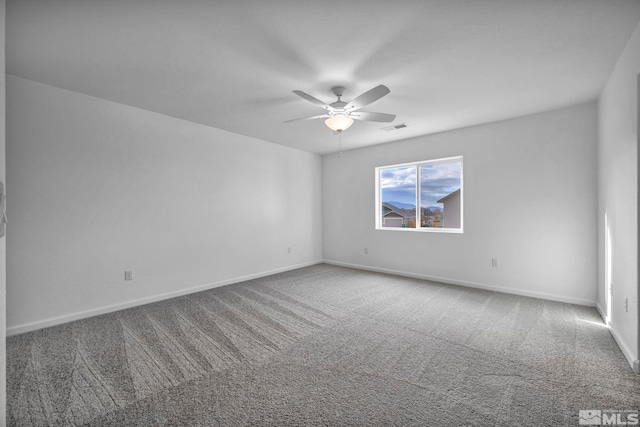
(525, 293)
(602, 313)
(52, 321)
(628, 354)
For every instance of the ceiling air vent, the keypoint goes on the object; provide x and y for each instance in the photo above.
(394, 127)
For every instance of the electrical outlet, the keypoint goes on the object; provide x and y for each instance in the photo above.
(128, 275)
(366, 251)
(495, 262)
(289, 250)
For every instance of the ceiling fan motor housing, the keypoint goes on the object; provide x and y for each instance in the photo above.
(338, 106)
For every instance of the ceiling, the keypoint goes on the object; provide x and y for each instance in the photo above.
(233, 64)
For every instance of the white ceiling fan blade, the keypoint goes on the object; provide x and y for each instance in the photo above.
(321, 116)
(311, 99)
(372, 117)
(367, 97)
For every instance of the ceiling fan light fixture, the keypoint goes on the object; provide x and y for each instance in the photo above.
(338, 123)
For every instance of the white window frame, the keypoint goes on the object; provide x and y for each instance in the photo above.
(417, 165)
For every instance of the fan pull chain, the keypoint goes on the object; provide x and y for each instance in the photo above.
(340, 144)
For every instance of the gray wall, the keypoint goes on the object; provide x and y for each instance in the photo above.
(3, 241)
(618, 199)
(99, 188)
(529, 200)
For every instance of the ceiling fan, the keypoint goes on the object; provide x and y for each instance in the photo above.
(340, 115)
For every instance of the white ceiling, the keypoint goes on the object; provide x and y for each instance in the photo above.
(233, 64)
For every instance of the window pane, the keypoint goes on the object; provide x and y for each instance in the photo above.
(440, 195)
(398, 196)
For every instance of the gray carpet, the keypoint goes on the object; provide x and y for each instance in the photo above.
(323, 346)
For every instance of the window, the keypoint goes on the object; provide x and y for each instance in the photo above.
(434, 186)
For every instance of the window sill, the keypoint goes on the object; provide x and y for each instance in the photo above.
(423, 230)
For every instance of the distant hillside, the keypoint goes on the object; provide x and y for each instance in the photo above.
(402, 205)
